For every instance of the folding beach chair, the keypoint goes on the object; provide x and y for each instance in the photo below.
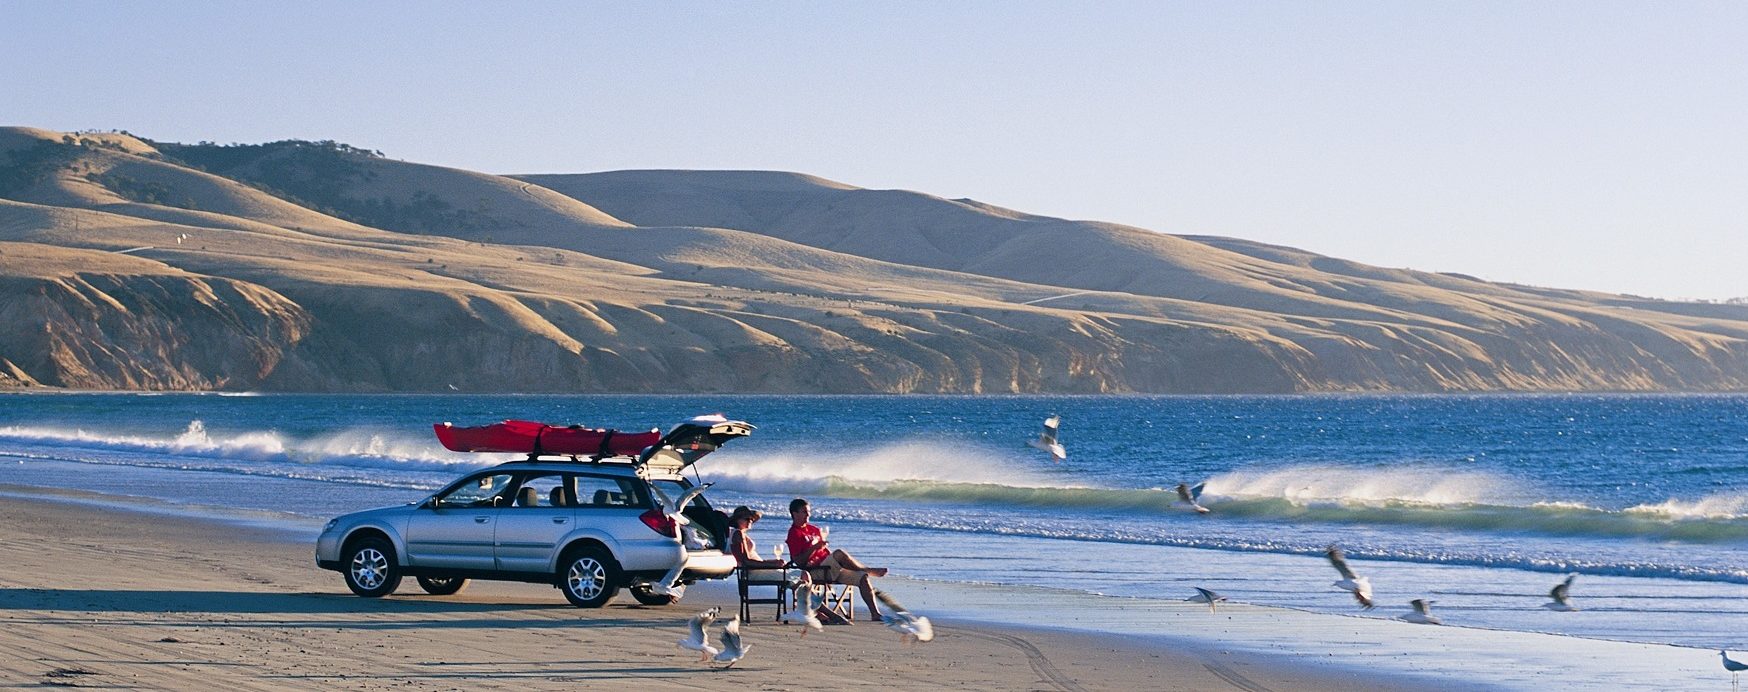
(837, 600)
(782, 578)
(837, 606)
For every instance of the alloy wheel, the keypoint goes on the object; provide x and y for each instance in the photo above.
(369, 568)
(587, 578)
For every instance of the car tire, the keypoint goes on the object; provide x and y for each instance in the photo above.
(442, 586)
(588, 576)
(643, 595)
(370, 568)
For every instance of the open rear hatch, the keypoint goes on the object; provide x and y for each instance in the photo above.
(690, 441)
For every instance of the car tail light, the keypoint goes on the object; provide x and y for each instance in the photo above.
(660, 523)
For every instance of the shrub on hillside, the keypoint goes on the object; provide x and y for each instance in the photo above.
(321, 176)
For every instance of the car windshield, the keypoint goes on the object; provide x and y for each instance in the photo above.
(480, 491)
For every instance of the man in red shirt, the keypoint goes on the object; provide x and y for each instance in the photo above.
(808, 549)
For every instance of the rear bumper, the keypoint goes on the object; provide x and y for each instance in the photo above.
(709, 564)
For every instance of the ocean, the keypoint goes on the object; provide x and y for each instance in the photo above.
(1481, 503)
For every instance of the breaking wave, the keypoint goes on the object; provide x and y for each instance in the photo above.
(349, 449)
(932, 473)
(1426, 497)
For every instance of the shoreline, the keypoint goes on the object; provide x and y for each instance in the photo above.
(101, 594)
(1272, 647)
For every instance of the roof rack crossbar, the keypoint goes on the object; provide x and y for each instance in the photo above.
(605, 451)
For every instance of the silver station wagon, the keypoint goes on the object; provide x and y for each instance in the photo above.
(589, 525)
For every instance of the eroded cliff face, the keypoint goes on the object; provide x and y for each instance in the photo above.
(105, 331)
(155, 332)
(318, 267)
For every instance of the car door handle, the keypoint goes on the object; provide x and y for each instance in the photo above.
(560, 520)
(481, 520)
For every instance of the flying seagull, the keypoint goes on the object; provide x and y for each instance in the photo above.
(1735, 668)
(806, 611)
(669, 584)
(698, 638)
(1206, 596)
(732, 647)
(1047, 439)
(674, 509)
(1361, 587)
(1422, 613)
(1189, 494)
(913, 628)
(1562, 596)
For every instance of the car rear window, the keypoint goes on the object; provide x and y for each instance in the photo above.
(600, 491)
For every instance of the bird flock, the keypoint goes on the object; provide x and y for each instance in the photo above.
(1420, 609)
(698, 639)
(911, 628)
(1360, 587)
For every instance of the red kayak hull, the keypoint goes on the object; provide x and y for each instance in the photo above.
(530, 437)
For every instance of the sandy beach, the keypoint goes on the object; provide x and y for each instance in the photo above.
(98, 596)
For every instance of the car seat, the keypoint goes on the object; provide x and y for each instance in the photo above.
(528, 497)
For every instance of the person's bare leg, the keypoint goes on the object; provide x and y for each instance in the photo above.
(867, 587)
(845, 560)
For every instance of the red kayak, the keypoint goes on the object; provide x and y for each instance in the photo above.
(529, 437)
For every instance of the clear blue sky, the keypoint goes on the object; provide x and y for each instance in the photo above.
(1599, 145)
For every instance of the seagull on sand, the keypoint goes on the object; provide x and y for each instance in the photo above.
(1361, 587)
(1422, 613)
(1562, 596)
(1189, 495)
(911, 627)
(806, 611)
(1206, 596)
(698, 638)
(732, 647)
(1047, 439)
(1735, 668)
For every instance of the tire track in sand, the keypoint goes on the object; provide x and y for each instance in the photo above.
(1232, 677)
(1046, 670)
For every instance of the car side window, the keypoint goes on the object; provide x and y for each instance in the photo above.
(601, 491)
(483, 491)
(542, 490)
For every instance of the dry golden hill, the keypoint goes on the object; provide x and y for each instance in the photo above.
(315, 266)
